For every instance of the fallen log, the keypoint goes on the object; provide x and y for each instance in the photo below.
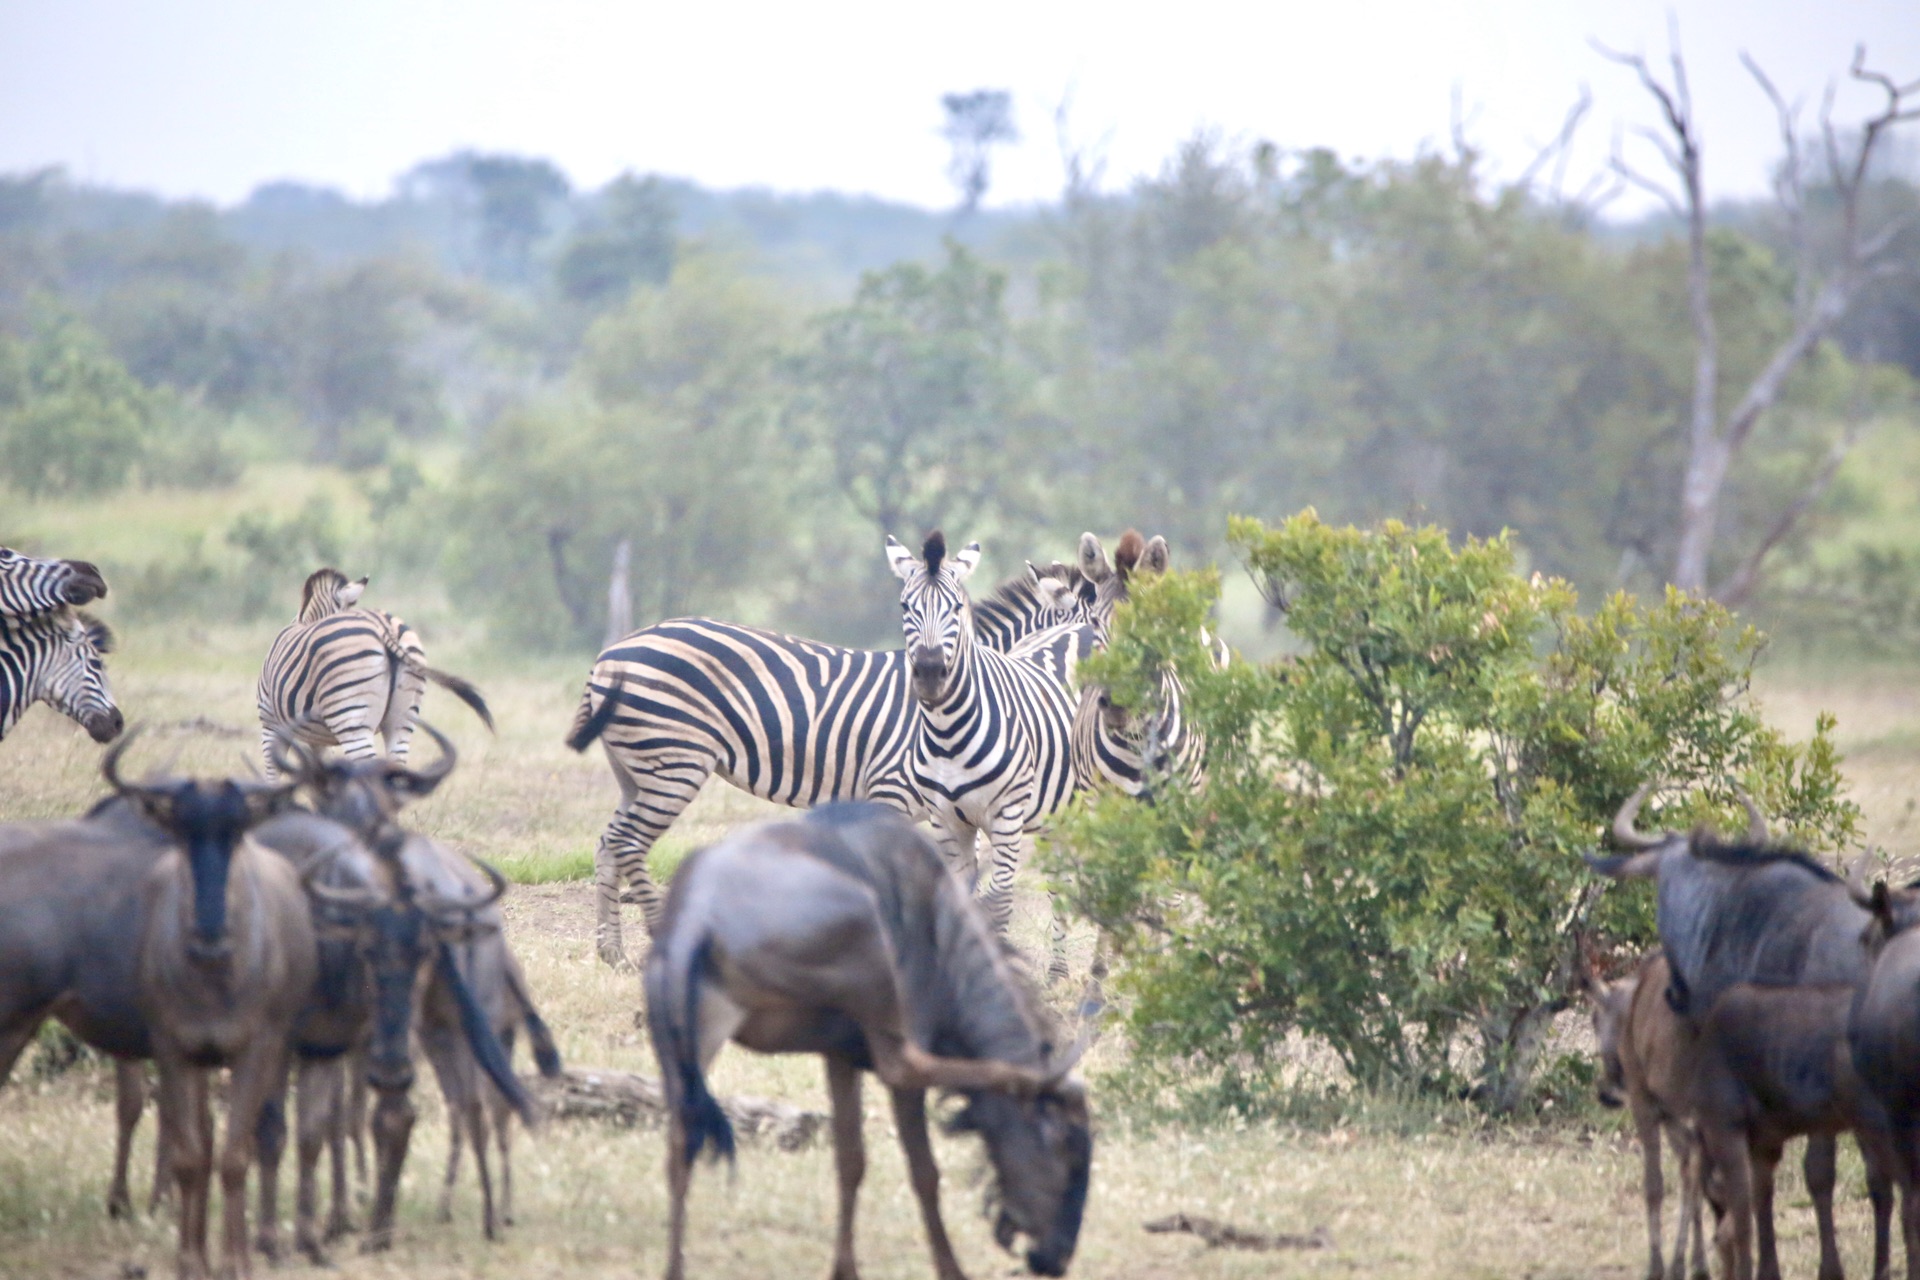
(626, 1099)
(1224, 1235)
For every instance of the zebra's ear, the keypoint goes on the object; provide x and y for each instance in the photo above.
(1156, 557)
(1093, 558)
(350, 593)
(902, 561)
(1053, 592)
(965, 561)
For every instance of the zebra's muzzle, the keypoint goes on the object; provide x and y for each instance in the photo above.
(106, 726)
(929, 673)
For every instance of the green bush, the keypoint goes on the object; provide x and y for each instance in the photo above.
(72, 419)
(1386, 855)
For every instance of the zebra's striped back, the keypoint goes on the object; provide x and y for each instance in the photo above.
(55, 657)
(1035, 601)
(29, 585)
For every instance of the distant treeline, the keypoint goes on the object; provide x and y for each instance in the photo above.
(751, 389)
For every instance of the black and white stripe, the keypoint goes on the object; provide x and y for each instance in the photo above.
(29, 585)
(789, 720)
(55, 657)
(340, 674)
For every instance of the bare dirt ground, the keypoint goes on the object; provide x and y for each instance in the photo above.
(589, 1199)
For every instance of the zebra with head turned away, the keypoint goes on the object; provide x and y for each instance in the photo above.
(29, 585)
(789, 720)
(339, 674)
(54, 657)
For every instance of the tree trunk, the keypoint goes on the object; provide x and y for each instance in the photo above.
(619, 595)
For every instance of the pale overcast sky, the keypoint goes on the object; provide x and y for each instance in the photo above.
(212, 97)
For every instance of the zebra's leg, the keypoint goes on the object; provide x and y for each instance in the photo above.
(1057, 971)
(652, 802)
(957, 840)
(403, 712)
(1009, 848)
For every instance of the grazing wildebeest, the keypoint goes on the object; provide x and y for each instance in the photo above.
(337, 675)
(54, 657)
(226, 958)
(29, 585)
(844, 934)
(1646, 1063)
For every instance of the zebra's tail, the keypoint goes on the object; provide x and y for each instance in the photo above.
(460, 689)
(673, 1010)
(590, 722)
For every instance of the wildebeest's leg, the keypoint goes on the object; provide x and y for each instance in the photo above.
(261, 1073)
(1819, 1169)
(1646, 1125)
(270, 1143)
(319, 1117)
(849, 1157)
(1727, 1162)
(910, 1120)
(186, 1140)
(1690, 1240)
(679, 1176)
(356, 1122)
(129, 1099)
(503, 1135)
(1906, 1139)
(477, 1123)
(393, 1117)
(339, 1221)
(456, 1133)
(14, 1041)
(1877, 1154)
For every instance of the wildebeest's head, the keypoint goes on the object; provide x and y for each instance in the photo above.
(1041, 1150)
(1609, 1003)
(209, 819)
(72, 678)
(936, 618)
(365, 796)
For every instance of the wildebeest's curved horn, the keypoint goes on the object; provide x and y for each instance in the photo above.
(1756, 820)
(1624, 833)
(110, 765)
(290, 757)
(1057, 1068)
(359, 898)
(439, 905)
(428, 779)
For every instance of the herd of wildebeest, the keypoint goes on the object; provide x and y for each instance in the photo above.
(287, 928)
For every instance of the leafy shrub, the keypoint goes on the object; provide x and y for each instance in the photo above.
(72, 419)
(1386, 855)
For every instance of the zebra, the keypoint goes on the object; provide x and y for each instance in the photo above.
(339, 674)
(29, 585)
(789, 720)
(991, 749)
(54, 657)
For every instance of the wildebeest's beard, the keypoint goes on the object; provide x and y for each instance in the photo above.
(1041, 1152)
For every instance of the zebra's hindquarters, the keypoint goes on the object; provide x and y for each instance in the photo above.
(791, 721)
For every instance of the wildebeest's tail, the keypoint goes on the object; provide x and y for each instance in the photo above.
(590, 722)
(673, 1009)
(486, 1046)
(546, 1055)
(462, 690)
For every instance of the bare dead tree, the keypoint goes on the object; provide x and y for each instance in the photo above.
(619, 595)
(1821, 296)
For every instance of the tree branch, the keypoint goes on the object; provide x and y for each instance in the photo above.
(1735, 591)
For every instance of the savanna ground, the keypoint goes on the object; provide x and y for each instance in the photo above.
(1402, 1192)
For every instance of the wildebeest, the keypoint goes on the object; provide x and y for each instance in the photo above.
(1780, 942)
(1773, 1063)
(55, 658)
(1884, 1034)
(1646, 1064)
(436, 961)
(226, 959)
(337, 675)
(844, 934)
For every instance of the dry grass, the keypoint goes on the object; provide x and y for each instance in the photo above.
(590, 1200)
